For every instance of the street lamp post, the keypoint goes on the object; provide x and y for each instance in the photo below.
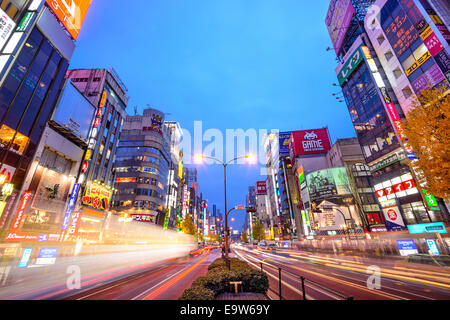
(225, 165)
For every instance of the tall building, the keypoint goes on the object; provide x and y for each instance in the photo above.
(381, 55)
(104, 89)
(36, 45)
(142, 167)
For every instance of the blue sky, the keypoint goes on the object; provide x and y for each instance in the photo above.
(232, 64)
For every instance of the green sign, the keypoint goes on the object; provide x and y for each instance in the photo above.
(351, 64)
(166, 219)
(305, 218)
(387, 162)
(431, 201)
(25, 21)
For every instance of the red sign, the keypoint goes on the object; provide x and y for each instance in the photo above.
(307, 142)
(125, 179)
(23, 205)
(392, 214)
(76, 222)
(22, 236)
(261, 187)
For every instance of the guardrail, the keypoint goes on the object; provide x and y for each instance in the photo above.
(303, 281)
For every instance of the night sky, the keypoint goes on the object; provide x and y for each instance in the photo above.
(250, 64)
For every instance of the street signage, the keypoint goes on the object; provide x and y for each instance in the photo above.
(240, 207)
(47, 256)
(434, 227)
(433, 247)
(407, 247)
(25, 257)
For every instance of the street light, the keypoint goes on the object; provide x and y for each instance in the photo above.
(199, 159)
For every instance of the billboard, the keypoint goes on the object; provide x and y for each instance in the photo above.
(328, 183)
(97, 196)
(307, 142)
(70, 13)
(407, 247)
(74, 112)
(284, 138)
(339, 17)
(261, 187)
(6, 27)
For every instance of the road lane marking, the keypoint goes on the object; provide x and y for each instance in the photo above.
(167, 285)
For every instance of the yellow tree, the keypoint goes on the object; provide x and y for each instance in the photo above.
(427, 127)
(244, 237)
(188, 226)
(258, 231)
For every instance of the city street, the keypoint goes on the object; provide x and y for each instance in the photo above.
(346, 276)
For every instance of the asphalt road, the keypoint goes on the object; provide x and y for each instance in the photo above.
(166, 281)
(338, 277)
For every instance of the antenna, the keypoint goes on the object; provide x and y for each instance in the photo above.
(135, 110)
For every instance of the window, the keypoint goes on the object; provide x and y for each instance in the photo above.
(388, 55)
(407, 92)
(397, 73)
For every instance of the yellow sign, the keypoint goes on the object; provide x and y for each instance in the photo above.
(426, 33)
(97, 196)
(88, 154)
(103, 101)
(418, 63)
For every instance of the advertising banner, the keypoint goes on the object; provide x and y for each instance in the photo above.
(339, 16)
(97, 196)
(307, 142)
(23, 205)
(434, 227)
(330, 219)
(433, 249)
(350, 65)
(70, 206)
(47, 256)
(261, 187)
(284, 138)
(22, 236)
(25, 257)
(70, 13)
(328, 183)
(6, 27)
(393, 218)
(407, 247)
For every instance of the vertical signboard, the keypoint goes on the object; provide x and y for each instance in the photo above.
(261, 187)
(23, 205)
(393, 218)
(70, 206)
(25, 257)
(6, 27)
(284, 138)
(433, 249)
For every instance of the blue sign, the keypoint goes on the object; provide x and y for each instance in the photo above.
(407, 247)
(434, 227)
(25, 257)
(433, 247)
(284, 138)
(47, 256)
(70, 206)
(43, 237)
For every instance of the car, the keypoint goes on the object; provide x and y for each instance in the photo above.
(442, 260)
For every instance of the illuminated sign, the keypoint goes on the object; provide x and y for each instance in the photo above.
(84, 167)
(431, 201)
(433, 247)
(76, 222)
(434, 227)
(350, 65)
(418, 63)
(125, 179)
(301, 175)
(407, 247)
(25, 257)
(397, 187)
(22, 236)
(47, 256)
(103, 100)
(70, 206)
(283, 139)
(70, 13)
(393, 218)
(261, 187)
(23, 205)
(7, 190)
(97, 196)
(306, 142)
(144, 218)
